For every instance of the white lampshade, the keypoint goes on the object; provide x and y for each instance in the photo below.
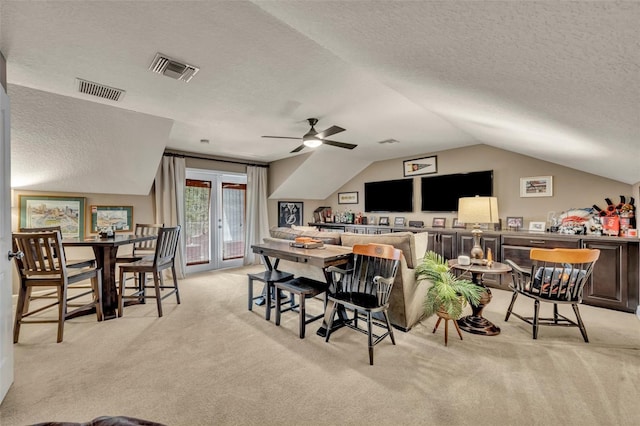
(478, 210)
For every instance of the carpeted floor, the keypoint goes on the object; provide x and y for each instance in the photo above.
(210, 361)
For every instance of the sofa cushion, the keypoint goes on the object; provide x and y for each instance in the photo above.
(284, 233)
(404, 241)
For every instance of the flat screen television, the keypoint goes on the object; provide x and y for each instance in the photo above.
(389, 196)
(441, 193)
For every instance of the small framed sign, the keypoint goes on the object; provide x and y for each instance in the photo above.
(398, 221)
(438, 222)
(348, 197)
(384, 220)
(457, 224)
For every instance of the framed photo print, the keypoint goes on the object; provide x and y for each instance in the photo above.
(384, 220)
(438, 222)
(119, 218)
(538, 186)
(348, 197)
(43, 211)
(398, 221)
(514, 222)
(289, 213)
(420, 166)
(537, 226)
(457, 224)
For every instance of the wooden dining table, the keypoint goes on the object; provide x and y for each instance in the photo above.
(105, 251)
(323, 258)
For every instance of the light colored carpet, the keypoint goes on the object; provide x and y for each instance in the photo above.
(210, 361)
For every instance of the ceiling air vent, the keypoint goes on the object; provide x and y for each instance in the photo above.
(162, 64)
(99, 90)
(389, 141)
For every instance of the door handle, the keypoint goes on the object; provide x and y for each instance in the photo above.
(18, 255)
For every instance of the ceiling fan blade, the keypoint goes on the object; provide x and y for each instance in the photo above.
(330, 131)
(280, 137)
(298, 149)
(339, 144)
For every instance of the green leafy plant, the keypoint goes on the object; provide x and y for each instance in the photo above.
(448, 293)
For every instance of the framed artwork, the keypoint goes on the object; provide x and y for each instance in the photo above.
(384, 220)
(537, 226)
(514, 222)
(42, 211)
(119, 218)
(457, 224)
(398, 221)
(289, 213)
(438, 222)
(538, 186)
(348, 197)
(420, 166)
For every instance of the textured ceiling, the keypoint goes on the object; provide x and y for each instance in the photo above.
(559, 81)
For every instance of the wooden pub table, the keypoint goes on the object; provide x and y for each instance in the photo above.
(105, 251)
(476, 323)
(328, 255)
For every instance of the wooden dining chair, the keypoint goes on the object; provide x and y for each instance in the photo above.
(42, 264)
(365, 289)
(142, 248)
(74, 264)
(163, 258)
(557, 276)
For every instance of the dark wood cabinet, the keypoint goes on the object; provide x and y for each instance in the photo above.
(615, 282)
(444, 243)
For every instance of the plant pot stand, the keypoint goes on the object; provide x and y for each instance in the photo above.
(446, 318)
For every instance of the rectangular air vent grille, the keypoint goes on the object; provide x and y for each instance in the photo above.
(162, 64)
(99, 90)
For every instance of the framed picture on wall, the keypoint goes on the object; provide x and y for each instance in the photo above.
(289, 213)
(43, 211)
(348, 197)
(537, 186)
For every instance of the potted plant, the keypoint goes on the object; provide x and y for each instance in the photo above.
(449, 294)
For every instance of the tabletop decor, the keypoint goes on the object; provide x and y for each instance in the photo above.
(39, 211)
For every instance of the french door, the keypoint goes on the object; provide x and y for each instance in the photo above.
(214, 219)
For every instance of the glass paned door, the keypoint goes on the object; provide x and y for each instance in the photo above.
(214, 219)
(197, 198)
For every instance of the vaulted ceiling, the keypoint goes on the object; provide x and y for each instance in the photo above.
(558, 81)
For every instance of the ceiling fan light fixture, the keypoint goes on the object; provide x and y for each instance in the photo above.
(311, 141)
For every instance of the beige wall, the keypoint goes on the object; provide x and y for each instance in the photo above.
(571, 188)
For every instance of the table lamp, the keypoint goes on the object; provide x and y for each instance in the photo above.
(477, 210)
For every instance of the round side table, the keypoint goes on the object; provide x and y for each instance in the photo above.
(476, 323)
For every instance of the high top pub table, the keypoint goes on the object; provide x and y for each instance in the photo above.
(476, 323)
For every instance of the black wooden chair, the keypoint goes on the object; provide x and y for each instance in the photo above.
(42, 264)
(365, 289)
(163, 259)
(556, 276)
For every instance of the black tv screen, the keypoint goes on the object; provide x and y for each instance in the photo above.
(441, 193)
(389, 196)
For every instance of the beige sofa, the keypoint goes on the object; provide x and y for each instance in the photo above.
(405, 303)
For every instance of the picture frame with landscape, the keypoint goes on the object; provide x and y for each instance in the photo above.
(40, 211)
(119, 218)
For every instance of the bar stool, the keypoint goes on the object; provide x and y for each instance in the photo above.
(305, 288)
(268, 277)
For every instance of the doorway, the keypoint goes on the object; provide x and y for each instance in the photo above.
(215, 204)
